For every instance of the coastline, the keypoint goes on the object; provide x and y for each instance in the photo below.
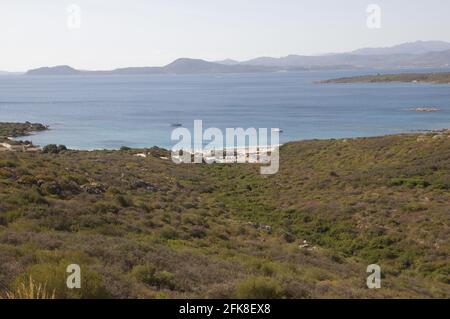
(111, 126)
(12, 134)
(433, 78)
(14, 141)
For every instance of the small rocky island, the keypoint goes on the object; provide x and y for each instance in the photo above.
(437, 78)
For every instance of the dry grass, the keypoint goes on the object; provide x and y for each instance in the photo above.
(29, 289)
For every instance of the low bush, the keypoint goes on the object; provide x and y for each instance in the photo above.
(259, 288)
(148, 275)
(54, 149)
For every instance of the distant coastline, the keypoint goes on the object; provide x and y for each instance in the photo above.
(437, 78)
(180, 66)
(419, 54)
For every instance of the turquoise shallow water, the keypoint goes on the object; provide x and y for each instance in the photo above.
(96, 112)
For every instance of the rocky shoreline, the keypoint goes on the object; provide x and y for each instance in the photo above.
(10, 131)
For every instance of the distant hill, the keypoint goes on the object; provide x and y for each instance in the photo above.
(415, 54)
(192, 66)
(56, 70)
(430, 59)
(440, 78)
(228, 62)
(418, 47)
(180, 66)
(189, 66)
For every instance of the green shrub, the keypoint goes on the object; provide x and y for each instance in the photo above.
(168, 232)
(410, 182)
(54, 149)
(413, 207)
(51, 188)
(7, 164)
(124, 201)
(148, 275)
(288, 237)
(259, 288)
(197, 232)
(32, 197)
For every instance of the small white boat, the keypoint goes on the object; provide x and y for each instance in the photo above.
(279, 130)
(177, 122)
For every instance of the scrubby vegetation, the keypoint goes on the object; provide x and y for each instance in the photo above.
(439, 77)
(148, 228)
(54, 149)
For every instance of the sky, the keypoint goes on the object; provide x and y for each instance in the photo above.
(107, 34)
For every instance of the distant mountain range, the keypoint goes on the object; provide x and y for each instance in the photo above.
(350, 60)
(418, 47)
(415, 54)
(180, 66)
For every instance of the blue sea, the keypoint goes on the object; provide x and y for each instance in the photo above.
(107, 112)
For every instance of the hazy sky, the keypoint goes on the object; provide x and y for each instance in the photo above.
(117, 33)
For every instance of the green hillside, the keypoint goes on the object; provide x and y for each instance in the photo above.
(147, 228)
